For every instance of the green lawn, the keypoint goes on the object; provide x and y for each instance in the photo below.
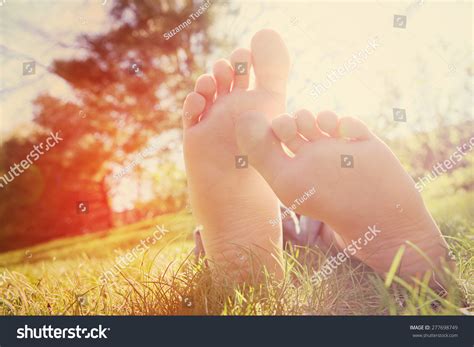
(62, 277)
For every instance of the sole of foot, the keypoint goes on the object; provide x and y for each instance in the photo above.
(341, 173)
(230, 199)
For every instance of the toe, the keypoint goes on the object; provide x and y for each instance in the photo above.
(306, 123)
(206, 86)
(285, 129)
(241, 61)
(194, 105)
(257, 140)
(223, 75)
(353, 128)
(271, 61)
(327, 122)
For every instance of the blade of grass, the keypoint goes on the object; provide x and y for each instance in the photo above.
(394, 267)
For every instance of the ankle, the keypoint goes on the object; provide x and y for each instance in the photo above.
(243, 253)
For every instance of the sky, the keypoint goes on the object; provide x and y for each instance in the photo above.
(39, 31)
(424, 63)
(321, 35)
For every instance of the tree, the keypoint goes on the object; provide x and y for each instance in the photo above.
(129, 86)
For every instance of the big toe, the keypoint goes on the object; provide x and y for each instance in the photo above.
(354, 128)
(256, 139)
(271, 61)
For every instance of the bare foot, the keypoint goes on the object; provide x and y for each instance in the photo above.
(358, 184)
(232, 201)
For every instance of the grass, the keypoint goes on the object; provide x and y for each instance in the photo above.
(62, 277)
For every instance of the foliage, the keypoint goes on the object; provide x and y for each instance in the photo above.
(127, 83)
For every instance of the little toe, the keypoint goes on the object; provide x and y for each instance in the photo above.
(353, 128)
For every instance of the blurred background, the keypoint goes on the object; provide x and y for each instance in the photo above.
(103, 75)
